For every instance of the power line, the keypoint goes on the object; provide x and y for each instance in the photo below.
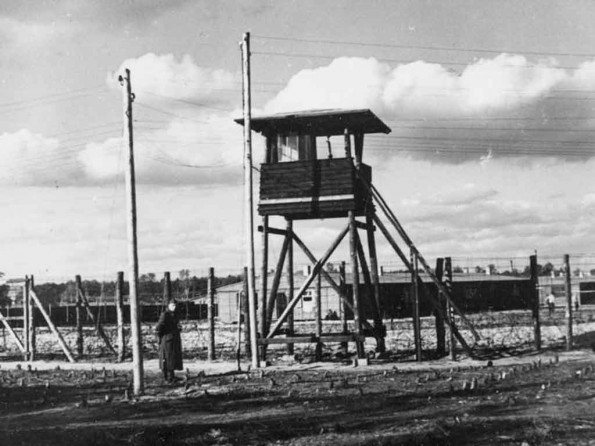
(420, 47)
(440, 62)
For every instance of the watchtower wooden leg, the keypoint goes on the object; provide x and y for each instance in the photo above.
(290, 285)
(355, 282)
(378, 324)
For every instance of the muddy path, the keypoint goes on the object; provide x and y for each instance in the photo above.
(545, 399)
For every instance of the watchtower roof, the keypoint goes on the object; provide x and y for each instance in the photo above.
(328, 122)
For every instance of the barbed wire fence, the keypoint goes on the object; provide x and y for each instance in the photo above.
(492, 293)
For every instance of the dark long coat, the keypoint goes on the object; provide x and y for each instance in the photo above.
(170, 342)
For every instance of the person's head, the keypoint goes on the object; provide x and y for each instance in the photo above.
(171, 305)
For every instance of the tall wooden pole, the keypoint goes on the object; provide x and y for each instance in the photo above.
(135, 329)
(415, 301)
(211, 313)
(247, 105)
(290, 284)
(355, 282)
(120, 315)
(378, 321)
(535, 301)
(568, 289)
(79, 317)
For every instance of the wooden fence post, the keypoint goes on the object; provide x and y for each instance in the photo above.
(318, 317)
(79, 317)
(449, 310)
(246, 313)
(415, 302)
(343, 307)
(211, 313)
(166, 288)
(440, 331)
(26, 343)
(535, 301)
(120, 316)
(568, 289)
(32, 320)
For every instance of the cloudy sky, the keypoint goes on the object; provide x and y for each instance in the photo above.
(491, 106)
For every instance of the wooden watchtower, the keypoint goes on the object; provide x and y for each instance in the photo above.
(302, 179)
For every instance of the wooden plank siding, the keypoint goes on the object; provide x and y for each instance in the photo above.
(312, 189)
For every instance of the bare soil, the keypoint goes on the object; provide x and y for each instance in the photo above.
(545, 399)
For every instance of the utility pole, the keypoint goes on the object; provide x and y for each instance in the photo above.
(247, 105)
(135, 332)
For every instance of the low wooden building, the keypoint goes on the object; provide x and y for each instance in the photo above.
(471, 293)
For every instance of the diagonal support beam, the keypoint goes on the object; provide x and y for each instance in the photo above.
(13, 334)
(53, 328)
(315, 271)
(436, 302)
(393, 219)
(276, 280)
(367, 280)
(330, 280)
(102, 334)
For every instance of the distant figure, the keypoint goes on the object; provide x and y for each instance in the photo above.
(331, 315)
(170, 343)
(575, 301)
(550, 300)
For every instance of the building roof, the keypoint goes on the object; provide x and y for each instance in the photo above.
(386, 278)
(319, 122)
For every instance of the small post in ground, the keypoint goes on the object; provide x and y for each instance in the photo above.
(449, 311)
(79, 318)
(120, 315)
(568, 289)
(26, 318)
(211, 313)
(535, 301)
(32, 320)
(440, 331)
(343, 308)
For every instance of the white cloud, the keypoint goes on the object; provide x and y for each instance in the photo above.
(503, 106)
(158, 76)
(28, 159)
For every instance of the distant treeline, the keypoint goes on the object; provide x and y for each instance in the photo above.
(150, 289)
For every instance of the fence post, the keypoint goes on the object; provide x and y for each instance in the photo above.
(449, 312)
(246, 313)
(343, 286)
(440, 331)
(120, 316)
(32, 333)
(415, 302)
(568, 290)
(26, 318)
(211, 313)
(79, 322)
(535, 301)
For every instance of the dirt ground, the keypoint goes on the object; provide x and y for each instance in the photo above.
(545, 399)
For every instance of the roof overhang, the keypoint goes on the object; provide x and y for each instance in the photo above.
(318, 122)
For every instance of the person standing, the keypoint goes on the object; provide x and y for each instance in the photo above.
(550, 300)
(170, 342)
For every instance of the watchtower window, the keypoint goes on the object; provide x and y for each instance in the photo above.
(294, 147)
